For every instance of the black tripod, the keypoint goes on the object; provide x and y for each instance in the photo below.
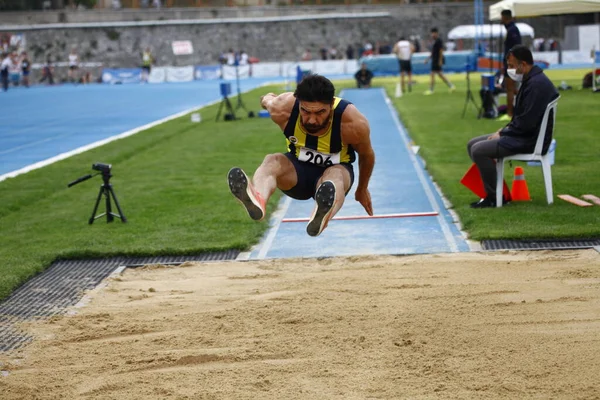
(107, 191)
(240, 103)
(227, 104)
(225, 91)
(470, 98)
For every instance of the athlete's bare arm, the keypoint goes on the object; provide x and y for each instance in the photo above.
(279, 107)
(356, 132)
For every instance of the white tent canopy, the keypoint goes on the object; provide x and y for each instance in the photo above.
(533, 8)
(486, 31)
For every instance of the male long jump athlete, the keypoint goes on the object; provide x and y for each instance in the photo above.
(323, 133)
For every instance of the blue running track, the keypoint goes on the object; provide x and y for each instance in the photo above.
(42, 122)
(399, 185)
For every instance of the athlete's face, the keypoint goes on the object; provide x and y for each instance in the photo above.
(315, 116)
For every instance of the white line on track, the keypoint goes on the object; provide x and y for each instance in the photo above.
(276, 219)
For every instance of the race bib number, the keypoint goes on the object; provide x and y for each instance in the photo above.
(314, 157)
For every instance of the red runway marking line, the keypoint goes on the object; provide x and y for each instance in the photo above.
(382, 216)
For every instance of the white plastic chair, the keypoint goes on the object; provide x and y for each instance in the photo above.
(535, 156)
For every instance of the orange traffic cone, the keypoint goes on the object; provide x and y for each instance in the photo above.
(519, 191)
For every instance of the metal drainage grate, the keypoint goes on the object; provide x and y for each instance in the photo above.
(550, 244)
(63, 284)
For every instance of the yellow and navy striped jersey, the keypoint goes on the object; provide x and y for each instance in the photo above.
(324, 150)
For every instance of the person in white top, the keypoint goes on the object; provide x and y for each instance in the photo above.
(230, 57)
(243, 58)
(73, 65)
(404, 51)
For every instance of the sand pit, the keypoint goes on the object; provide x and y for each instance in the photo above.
(496, 325)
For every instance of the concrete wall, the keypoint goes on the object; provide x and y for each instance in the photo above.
(271, 41)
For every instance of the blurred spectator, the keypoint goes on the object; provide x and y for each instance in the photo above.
(538, 44)
(4, 42)
(48, 72)
(416, 39)
(4, 67)
(385, 49)
(25, 68)
(156, 4)
(73, 65)
(86, 77)
(368, 50)
(333, 53)
(14, 70)
(230, 57)
(306, 56)
(363, 77)
(243, 58)
(323, 52)
(350, 52)
(147, 61)
(450, 45)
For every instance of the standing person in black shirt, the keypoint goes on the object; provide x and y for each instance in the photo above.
(513, 38)
(25, 68)
(437, 61)
(48, 72)
(350, 52)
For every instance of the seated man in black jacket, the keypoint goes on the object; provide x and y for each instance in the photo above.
(363, 77)
(520, 135)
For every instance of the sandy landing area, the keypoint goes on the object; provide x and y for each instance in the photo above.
(487, 326)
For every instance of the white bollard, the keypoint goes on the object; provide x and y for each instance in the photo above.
(398, 90)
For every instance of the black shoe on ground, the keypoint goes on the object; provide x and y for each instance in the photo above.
(484, 203)
(487, 202)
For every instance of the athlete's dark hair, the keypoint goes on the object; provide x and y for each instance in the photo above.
(506, 13)
(434, 30)
(315, 88)
(522, 53)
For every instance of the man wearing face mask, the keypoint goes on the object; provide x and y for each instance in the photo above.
(513, 38)
(520, 135)
(323, 134)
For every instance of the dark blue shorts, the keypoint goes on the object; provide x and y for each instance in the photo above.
(308, 175)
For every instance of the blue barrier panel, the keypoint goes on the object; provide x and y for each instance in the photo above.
(597, 57)
(457, 61)
(121, 75)
(207, 72)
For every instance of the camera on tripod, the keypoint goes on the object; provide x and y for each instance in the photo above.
(106, 190)
(104, 168)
